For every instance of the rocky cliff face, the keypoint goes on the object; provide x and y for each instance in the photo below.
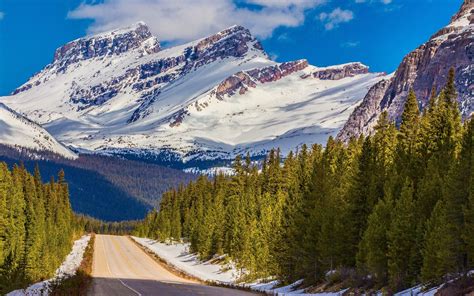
(234, 42)
(111, 43)
(365, 116)
(101, 46)
(423, 69)
(241, 81)
(336, 73)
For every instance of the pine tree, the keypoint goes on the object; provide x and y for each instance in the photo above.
(465, 175)
(373, 248)
(450, 88)
(407, 140)
(362, 196)
(438, 253)
(4, 184)
(401, 238)
(219, 215)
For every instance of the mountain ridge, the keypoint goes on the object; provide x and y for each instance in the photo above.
(207, 99)
(18, 131)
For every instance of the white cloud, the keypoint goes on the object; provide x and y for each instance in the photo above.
(286, 3)
(284, 37)
(350, 44)
(338, 16)
(184, 20)
(381, 1)
(1, 15)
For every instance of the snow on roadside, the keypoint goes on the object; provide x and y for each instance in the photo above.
(419, 291)
(68, 268)
(178, 255)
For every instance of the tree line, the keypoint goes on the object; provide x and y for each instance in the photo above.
(102, 186)
(93, 225)
(387, 210)
(37, 226)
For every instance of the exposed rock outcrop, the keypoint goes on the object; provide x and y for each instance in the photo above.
(423, 69)
(232, 42)
(241, 81)
(136, 37)
(336, 73)
(365, 116)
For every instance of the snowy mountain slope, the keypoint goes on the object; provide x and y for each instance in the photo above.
(120, 92)
(423, 69)
(15, 130)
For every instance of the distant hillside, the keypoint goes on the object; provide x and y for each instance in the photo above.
(17, 130)
(106, 188)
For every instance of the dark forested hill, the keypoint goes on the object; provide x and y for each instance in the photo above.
(108, 188)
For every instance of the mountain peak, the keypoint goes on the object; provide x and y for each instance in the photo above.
(466, 11)
(461, 21)
(235, 40)
(113, 42)
(139, 27)
(235, 30)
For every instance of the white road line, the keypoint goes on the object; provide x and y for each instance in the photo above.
(132, 289)
(108, 268)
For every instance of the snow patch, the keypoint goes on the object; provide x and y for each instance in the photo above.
(68, 268)
(227, 171)
(177, 255)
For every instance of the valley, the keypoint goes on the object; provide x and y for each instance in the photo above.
(141, 162)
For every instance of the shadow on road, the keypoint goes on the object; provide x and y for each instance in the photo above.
(134, 287)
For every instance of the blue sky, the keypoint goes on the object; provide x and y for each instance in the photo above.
(326, 32)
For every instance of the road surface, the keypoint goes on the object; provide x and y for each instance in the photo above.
(121, 268)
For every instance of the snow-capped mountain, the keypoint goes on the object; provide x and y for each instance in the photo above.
(17, 131)
(120, 92)
(422, 69)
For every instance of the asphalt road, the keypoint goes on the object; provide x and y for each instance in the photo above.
(121, 268)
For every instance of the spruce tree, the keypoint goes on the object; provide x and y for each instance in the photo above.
(407, 140)
(467, 170)
(361, 196)
(450, 88)
(438, 253)
(401, 238)
(373, 248)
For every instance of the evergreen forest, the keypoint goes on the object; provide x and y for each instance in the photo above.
(387, 210)
(37, 226)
